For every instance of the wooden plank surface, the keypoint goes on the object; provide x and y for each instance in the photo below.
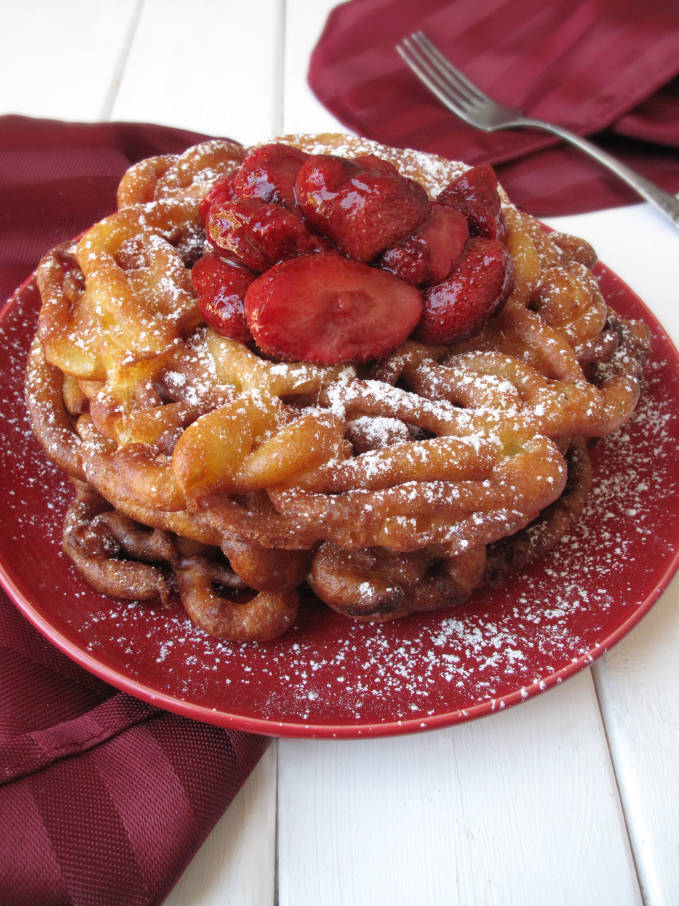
(210, 66)
(521, 807)
(62, 59)
(302, 112)
(491, 812)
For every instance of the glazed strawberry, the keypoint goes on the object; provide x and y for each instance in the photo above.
(428, 255)
(258, 232)
(362, 205)
(269, 173)
(475, 194)
(221, 290)
(376, 164)
(327, 309)
(462, 303)
(220, 193)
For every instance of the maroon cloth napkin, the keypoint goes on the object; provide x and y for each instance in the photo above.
(103, 799)
(601, 67)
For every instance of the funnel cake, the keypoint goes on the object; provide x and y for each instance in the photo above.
(393, 469)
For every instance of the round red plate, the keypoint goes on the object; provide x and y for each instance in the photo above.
(332, 677)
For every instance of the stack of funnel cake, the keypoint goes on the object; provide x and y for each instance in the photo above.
(263, 423)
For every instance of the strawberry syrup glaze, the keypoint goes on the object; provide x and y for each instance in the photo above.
(332, 677)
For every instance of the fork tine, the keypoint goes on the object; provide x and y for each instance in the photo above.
(424, 70)
(446, 68)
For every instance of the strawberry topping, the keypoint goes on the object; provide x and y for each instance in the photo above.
(462, 303)
(258, 233)
(428, 255)
(326, 309)
(221, 290)
(283, 223)
(220, 193)
(362, 205)
(376, 164)
(475, 194)
(269, 173)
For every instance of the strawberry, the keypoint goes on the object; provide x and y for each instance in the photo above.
(258, 232)
(362, 205)
(221, 192)
(221, 287)
(376, 164)
(475, 194)
(427, 256)
(477, 287)
(269, 172)
(326, 309)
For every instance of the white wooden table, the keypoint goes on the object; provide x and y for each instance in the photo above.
(572, 797)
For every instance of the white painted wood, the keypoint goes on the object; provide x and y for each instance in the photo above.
(518, 808)
(209, 65)
(236, 864)
(303, 112)
(60, 59)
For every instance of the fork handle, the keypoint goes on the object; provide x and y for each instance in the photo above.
(666, 202)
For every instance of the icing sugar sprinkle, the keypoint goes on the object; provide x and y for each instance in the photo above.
(329, 672)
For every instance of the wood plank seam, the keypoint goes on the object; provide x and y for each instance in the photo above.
(596, 669)
(276, 827)
(112, 93)
(279, 67)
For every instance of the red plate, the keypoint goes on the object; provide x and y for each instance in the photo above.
(332, 677)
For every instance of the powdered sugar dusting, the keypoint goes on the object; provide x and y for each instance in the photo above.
(331, 675)
(435, 173)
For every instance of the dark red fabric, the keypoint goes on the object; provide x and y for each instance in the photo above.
(103, 798)
(605, 68)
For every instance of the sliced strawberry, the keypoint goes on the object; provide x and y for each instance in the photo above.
(327, 309)
(475, 194)
(462, 303)
(221, 290)
(428, 255)
(220, 193)
(362, 205)
(269, 173)
(376, 164)
(258, 233)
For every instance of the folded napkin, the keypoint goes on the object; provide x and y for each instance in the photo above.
(103, 798)
(601, 67)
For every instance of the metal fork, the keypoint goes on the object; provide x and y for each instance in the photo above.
(467, 101)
